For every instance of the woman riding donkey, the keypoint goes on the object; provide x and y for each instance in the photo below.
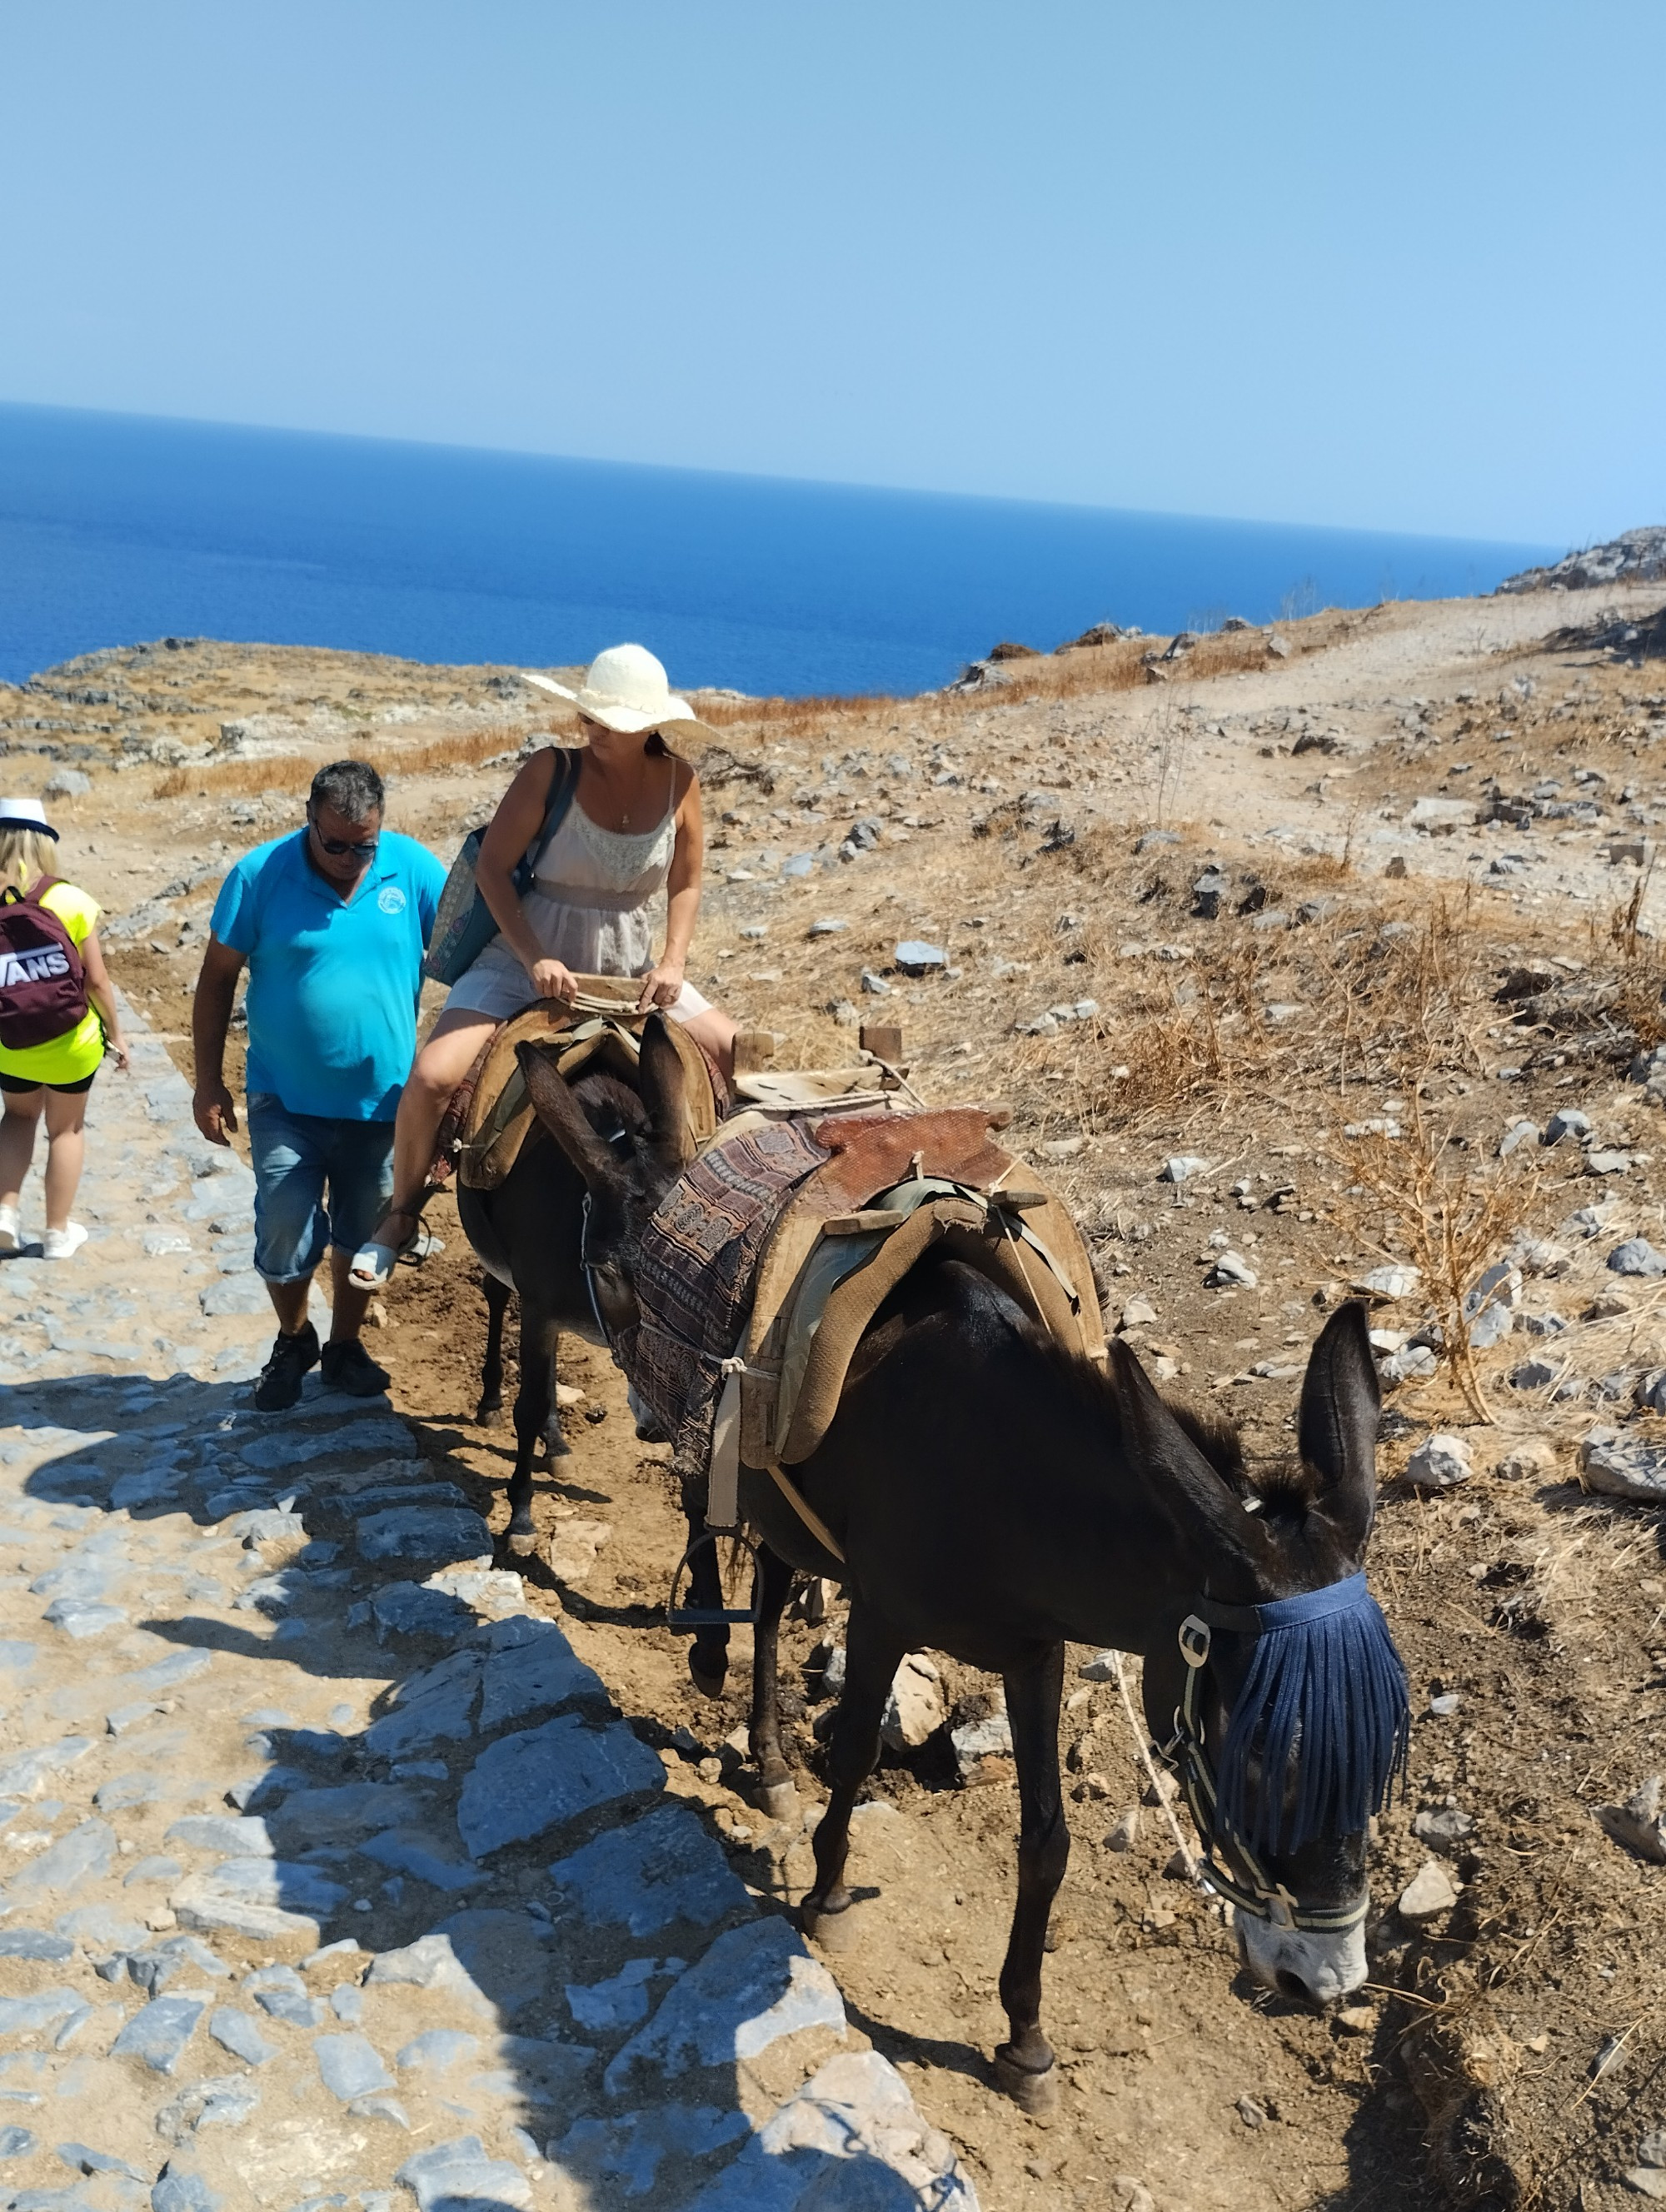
(631, 828)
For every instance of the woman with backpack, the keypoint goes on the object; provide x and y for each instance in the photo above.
(599, 834)
(57, 1018)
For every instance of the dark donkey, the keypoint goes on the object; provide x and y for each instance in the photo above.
(994, 1499)
(526, 1234)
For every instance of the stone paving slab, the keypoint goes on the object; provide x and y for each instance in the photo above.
(329, 1875)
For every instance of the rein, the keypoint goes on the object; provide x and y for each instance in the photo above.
(1242, 1879)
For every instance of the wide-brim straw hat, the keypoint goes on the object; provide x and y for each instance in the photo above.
(26, 814)
(626, 689)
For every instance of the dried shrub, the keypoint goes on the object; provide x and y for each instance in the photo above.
(294, 771)
(1427, 1199)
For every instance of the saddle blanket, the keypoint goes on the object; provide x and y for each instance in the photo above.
(695, 1273)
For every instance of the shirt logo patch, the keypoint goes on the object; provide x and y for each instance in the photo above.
(391, 899)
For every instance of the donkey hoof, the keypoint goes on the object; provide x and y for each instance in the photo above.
(557, 1448)
(1036, 2093)
(778, 1800)
(486, 1412)
(709, 1685)
(523, 1542)
(832, 1932)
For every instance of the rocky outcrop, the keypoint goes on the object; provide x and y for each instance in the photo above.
(1635, 556)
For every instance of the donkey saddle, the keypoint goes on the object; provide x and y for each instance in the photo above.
(763, 1267)
(489, 1114)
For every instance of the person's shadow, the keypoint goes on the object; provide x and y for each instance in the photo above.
(486, 1828)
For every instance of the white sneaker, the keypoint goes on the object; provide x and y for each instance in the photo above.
(9, 1236)
(63, 1243)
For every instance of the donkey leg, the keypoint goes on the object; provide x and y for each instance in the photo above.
(556, 1445)
(873, 1653)
(708, 1654)
(1024, 2066)
(533, 1403)
(491, 1367)
(776, 1795)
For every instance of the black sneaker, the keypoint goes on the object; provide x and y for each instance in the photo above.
(280, 1378)
(348, 1366)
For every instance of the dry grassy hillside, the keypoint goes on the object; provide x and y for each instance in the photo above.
(1232, 907)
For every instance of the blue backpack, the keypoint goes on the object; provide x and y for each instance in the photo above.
(463, 927)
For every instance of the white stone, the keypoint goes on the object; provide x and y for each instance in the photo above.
(1428, 1895)
(1619, 1467)
(1440, 1463)
(1230, 1271)
(1180, 1167)
(1441, 817)
(914, 1709)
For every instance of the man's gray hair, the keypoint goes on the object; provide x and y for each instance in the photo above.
(352, 787)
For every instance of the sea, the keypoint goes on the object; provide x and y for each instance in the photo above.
(115, 528)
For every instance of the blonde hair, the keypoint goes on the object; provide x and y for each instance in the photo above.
(26, 856)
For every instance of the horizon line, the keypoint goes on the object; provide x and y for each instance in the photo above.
(765, 477)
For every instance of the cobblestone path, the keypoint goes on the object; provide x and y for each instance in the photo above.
(329, 1875)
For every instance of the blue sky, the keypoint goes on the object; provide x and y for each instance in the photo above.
(1397, 267)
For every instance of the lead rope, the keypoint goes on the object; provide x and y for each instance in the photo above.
(1142, 1746)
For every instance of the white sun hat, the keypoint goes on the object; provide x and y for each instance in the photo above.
(626, 689)
(25, 814)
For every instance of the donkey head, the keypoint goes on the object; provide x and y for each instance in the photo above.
(621, 1193)
(1283, 1695)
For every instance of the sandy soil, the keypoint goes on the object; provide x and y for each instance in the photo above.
(1005, 824)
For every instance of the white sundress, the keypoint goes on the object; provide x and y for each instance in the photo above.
(589, 908)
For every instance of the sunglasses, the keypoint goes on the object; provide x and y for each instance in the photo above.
(339, 847)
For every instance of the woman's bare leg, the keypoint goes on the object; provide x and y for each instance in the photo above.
(716, 1032)
(66, 1118)
(17, 1140)
(440, 1067)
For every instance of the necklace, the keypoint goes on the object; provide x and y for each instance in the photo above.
(614, 805)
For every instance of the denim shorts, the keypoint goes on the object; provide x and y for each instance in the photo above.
(296, 1157)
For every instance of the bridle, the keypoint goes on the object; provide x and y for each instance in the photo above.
(591, 1266)
(1243, 1881)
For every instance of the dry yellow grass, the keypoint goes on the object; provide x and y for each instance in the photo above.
(294, 771)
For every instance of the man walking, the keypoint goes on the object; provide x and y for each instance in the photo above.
(332, 920)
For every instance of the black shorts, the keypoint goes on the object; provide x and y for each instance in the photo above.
(22, 1082)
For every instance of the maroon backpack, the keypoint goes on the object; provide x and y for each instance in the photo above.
(43, 984)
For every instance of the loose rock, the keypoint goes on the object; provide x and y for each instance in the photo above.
(1440, 1463)
(1428, 1896)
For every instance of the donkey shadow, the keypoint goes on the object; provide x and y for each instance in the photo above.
(406, 1819)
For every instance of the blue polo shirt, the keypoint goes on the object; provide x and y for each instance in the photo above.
(332, 988)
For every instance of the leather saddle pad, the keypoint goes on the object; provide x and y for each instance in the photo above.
(874, 1153)
(833, 1257)
(604, 1029)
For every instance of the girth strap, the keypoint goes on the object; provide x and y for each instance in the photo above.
(806, 1513)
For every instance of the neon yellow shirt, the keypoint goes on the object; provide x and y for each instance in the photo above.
(78, 1051)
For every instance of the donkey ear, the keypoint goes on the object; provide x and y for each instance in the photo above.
(1231, 1545)
(562, 1115)
(661, 1078)
(1336, 1428)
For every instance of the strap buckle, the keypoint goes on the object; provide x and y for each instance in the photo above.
(1194, 1639)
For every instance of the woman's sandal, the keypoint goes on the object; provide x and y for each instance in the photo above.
(373, 1263)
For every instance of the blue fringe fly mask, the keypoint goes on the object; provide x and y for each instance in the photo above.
(1325, 1683)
